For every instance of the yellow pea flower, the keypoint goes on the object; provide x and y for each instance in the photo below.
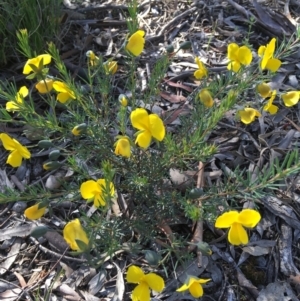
(34, 212)
(12, 105)
(201, 71)
(145, 283)
(266, 53)
(291, 98)
(45, 86)
(194, 286)
(269, 107)
(136, 43)
(248, 115)
(65, 93)
(238, 56)
(236, 221)
(123, 147)
(93, 59)
(148, 125)
(94, 191)
(123, 100)
(206, 98)
(73, 231)
(110, 67)
(18, 151)
(264, 90)
(39, 62)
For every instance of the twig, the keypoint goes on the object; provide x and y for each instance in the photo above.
(244, 131)
(169, 24)
(198, 234)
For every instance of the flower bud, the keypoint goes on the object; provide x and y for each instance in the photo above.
(123, 100)
(45, 144)
(50, 165)
(54, 155)
(170, 48)
(39, 231)
(79, 129)
(185, 45)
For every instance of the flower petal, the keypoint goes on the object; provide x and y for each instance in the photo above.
(88, 189)
(8, 143)
(232, 51)
(63, 97)
(226, 219)
(196, 290)
(12, 106)
(245, 55)
(261, 51)
(248, 115)
(273, 64)
(123, 147)
(34, 212)
(155, 282)
(46, 58)
(264, 90)
(102, 185)
(143, 139)
(206, 98)
(23, 91)
(134, 274)
(157, 128)
(14, 159)
(249, 218)
(183, 288)
(237, 235)
(136, 43)
(234, 66)
(73, 231)
(141, 292)
(44, 86)
(24, 152)
(291, 98)
(140, 119)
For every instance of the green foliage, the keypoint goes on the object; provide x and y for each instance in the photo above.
(41, 19)
(151, 200)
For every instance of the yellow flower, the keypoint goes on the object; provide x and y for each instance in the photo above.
(12, 105)
(267, 52)
(123, 100)
(93, 59)
(264, 90)
(145, 283)
(39, 62)
(206, 98)
(269, 107)
(194, 286)
(148, 125)
(65, 92)
(79, 129)
(236, 222)
(73, 232)
(94, 191)
(110, 67)
(201, 71)
(18, 151)
(248, 115)
(45, 86)
(291, 98)
(123, 146)
(35, 212)
(136, 43)
(238, 56)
